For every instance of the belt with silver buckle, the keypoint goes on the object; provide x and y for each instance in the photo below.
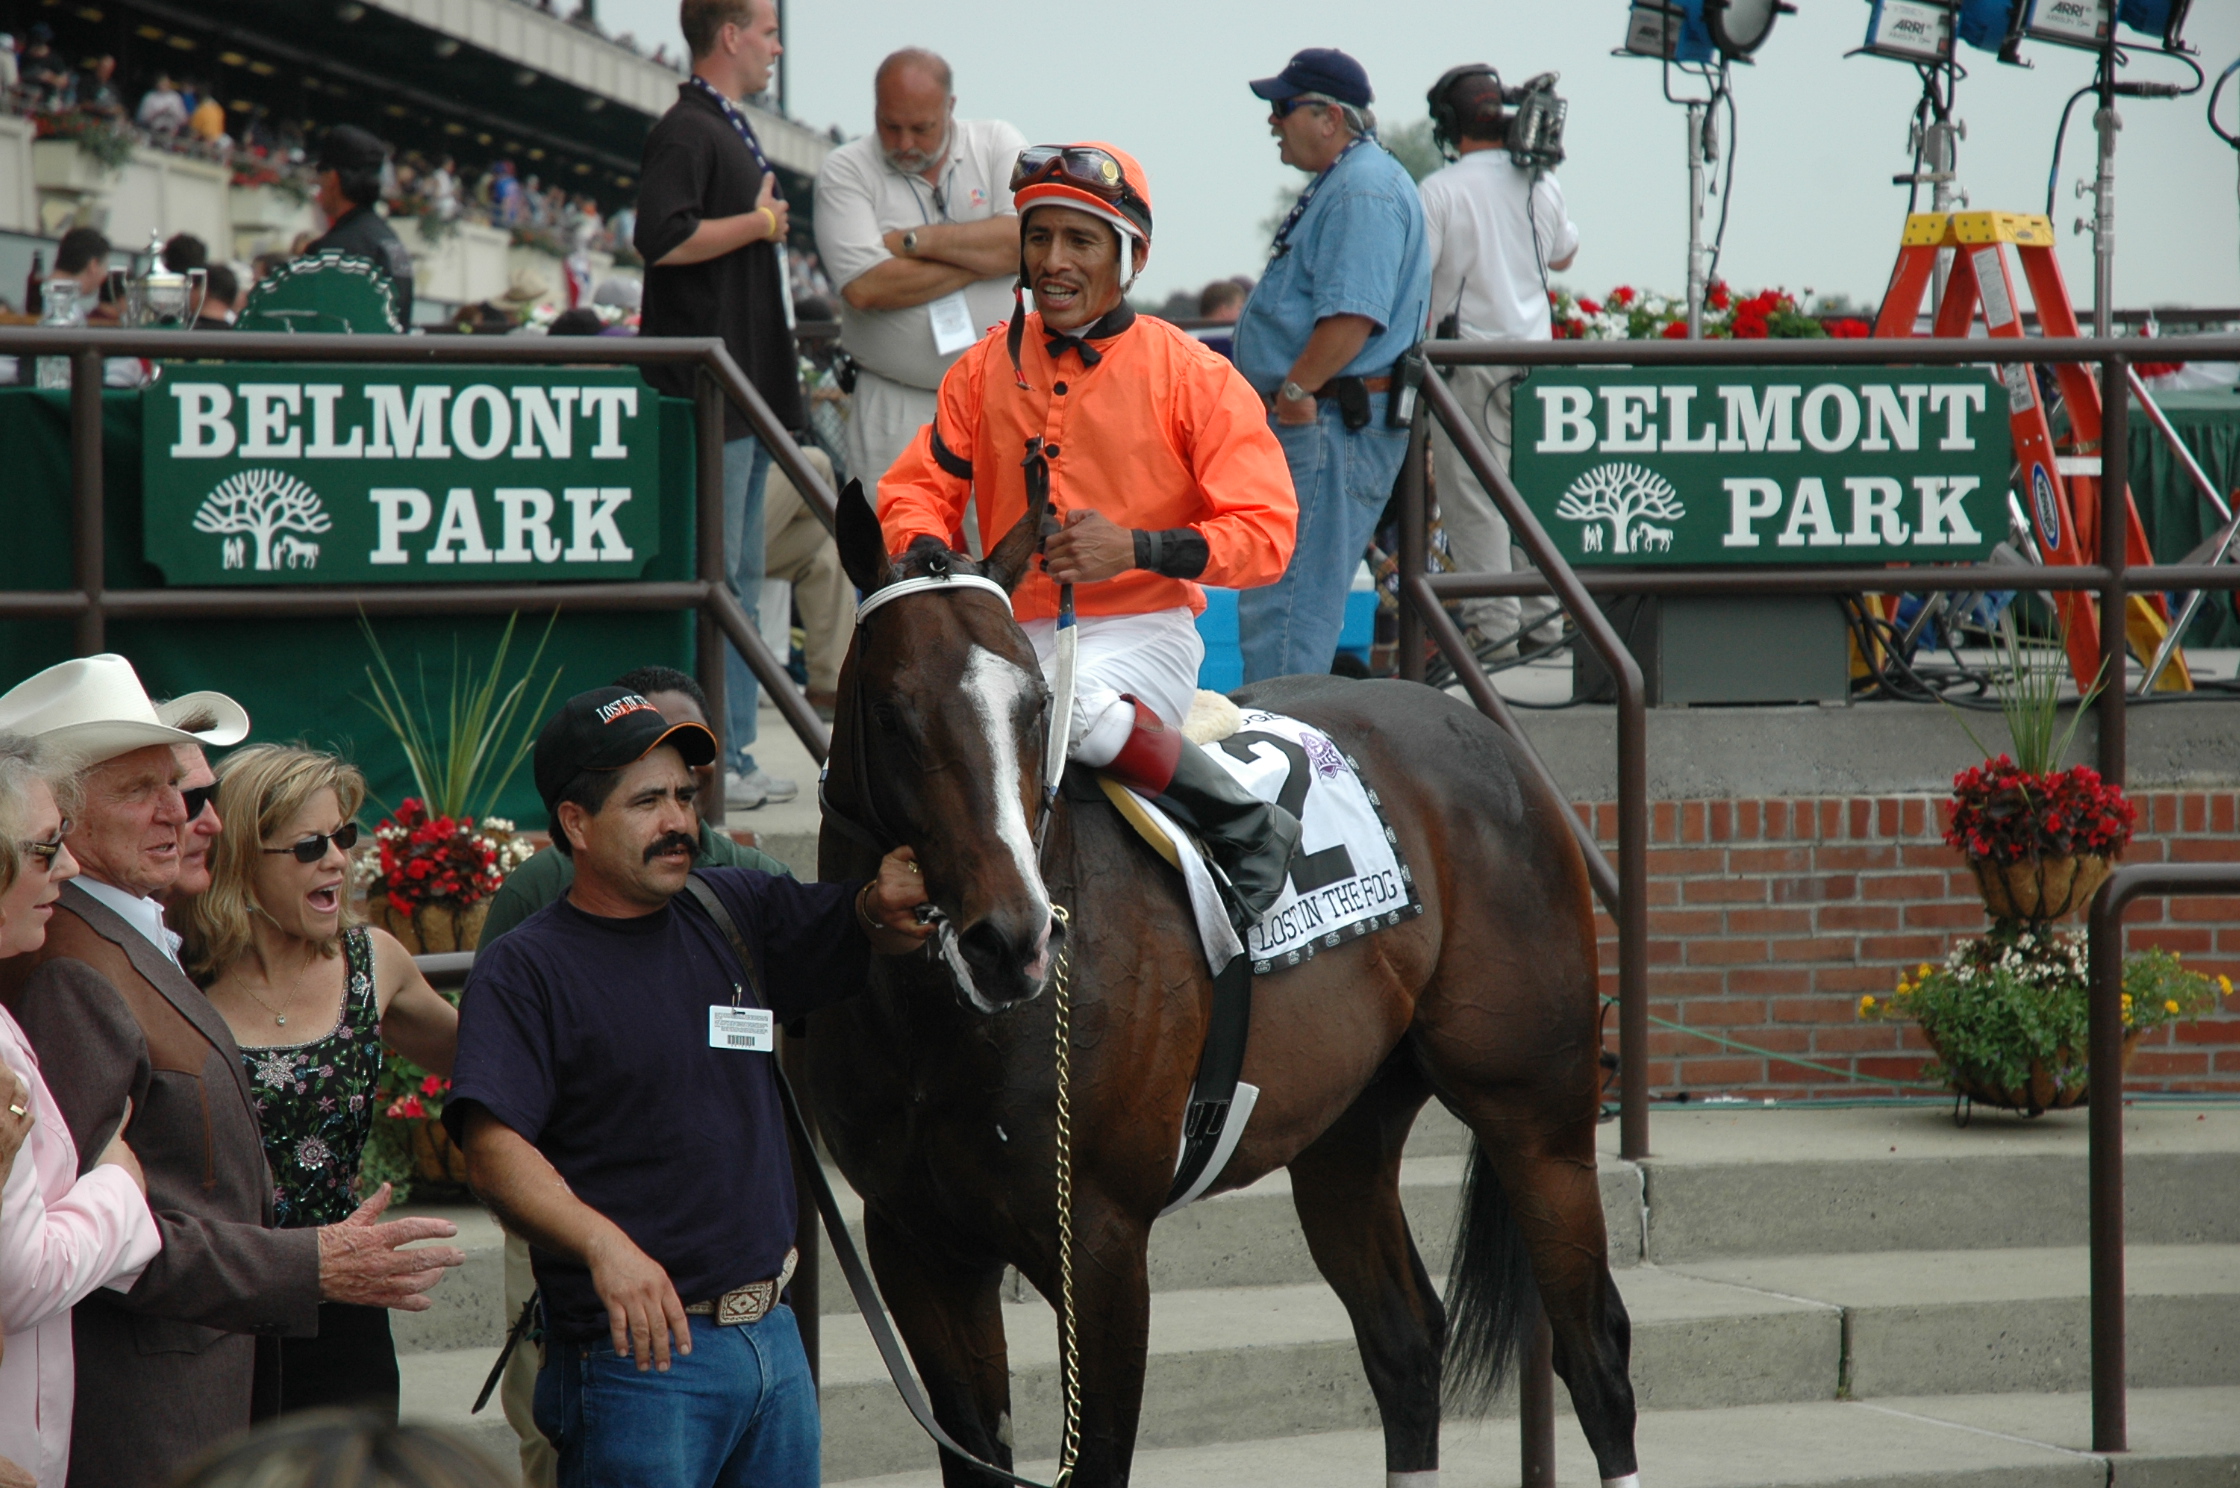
(750, 1303)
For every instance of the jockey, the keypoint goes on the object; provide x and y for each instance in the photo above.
(1156, 461)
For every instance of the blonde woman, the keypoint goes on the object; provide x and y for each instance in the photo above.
(311, 998)
(62, 1237)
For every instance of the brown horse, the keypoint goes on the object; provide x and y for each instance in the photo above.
(936, 1091)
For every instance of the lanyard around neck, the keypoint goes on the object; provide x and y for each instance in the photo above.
(1298, 210)
(739, 122)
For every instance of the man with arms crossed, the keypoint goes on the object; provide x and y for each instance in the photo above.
(1496, 230)
(914, 223)
(616, 1099)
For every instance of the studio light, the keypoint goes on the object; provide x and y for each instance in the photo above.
(1670, 29)
(1740, 27)
(2086, 24)
(1919, 31)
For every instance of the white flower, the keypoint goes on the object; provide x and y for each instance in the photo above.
(276, 1071)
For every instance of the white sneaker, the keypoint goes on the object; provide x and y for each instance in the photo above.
(746, 792)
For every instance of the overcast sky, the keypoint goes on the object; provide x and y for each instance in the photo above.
(1820, 135)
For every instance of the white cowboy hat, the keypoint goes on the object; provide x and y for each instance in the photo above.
(96, 709)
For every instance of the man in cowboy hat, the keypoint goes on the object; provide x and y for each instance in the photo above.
(165, 1369)
(1154, 457)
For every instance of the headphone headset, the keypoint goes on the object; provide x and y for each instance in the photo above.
(1446, 123)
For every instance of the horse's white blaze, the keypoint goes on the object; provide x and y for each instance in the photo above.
(995, 686)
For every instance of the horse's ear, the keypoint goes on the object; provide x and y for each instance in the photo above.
(862, 543)
(1007, 564)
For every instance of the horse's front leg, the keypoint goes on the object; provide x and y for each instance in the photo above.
(950, 1313)
(1112, 1322)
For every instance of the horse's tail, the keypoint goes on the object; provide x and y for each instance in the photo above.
(1491, 1299)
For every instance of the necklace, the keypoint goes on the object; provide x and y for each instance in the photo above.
(277, 1016)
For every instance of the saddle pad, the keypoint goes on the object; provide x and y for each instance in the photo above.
(1348, 877)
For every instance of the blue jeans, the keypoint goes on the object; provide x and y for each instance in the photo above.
(746, 465)
(1344, 481)
(738, 1411)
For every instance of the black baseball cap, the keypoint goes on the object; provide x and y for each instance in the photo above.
(605, 729)
(1323, 70)
(349, 148)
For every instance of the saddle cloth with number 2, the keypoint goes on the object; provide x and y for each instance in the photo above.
(1348, 877)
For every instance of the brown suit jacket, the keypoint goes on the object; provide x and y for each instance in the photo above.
(165, 1370)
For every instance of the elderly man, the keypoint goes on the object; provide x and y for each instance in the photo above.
(165, 1370)
(662, 1243)
(1322, 339)
(914, 223)
(1154, 454)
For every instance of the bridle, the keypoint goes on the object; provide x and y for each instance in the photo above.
(868, 828)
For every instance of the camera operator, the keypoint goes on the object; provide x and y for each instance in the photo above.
(1497, 229)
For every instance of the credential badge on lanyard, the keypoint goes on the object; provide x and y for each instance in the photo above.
(738, 119)
(741, 1029)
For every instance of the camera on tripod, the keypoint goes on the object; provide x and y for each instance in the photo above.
(1536, 122)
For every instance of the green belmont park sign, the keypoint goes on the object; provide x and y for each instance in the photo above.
(1701, 467)
(297, 474)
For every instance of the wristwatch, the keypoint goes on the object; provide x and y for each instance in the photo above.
(1291, 392)
(910, 241)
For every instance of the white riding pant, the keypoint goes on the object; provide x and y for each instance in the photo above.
(1154, 657)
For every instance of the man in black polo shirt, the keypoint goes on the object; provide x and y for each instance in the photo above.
(712, 231)
(616, 1101)
(350, 162)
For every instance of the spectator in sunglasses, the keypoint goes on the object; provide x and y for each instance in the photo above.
(310, 998)
(198, 788)
(62, 1236)
(166, 1370)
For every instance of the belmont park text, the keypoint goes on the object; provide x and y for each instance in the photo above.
(1828, 419)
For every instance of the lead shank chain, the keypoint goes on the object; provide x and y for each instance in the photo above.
(1069, 1446)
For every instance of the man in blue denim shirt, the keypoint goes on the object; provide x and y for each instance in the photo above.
(1344, 297)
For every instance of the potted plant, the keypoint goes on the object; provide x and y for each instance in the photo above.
(2038, 838)
(409, 1147)
(2007, 1012)
(441, 855)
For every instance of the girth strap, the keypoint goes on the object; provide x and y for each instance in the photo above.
(1213, 1095)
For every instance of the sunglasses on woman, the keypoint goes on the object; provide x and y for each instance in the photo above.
(46, 852)
(312, 849)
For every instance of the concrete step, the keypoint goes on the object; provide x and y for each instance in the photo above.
(1252, 1237)
(1802, 1181)
(1238, 1363)
(2009, 1320)
(2179, 1438)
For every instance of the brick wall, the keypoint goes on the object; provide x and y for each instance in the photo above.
(1768, 919)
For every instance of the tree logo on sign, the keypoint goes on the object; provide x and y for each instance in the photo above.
(1627, 497)
(270, 507)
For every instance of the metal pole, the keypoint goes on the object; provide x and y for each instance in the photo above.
(2105, 123)
(707, 563)
(1941, 146)
(88, 560)
(1415, 548)
(2104, 1163)
(2115, 509)
(1696, 116)
(1536, 1408)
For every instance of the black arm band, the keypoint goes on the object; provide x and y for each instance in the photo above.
(949, 459)
(1176, 553)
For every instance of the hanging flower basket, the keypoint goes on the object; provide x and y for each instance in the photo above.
(432, 929)
(429, 884)
(2054, 1084)
(436, 1159)
(2039, 888)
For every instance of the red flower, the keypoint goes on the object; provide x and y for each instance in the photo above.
(1677, 331)
(1719, 298)
(1621, 296)
(1850, 328)
(434, 1085)
(1589, 307)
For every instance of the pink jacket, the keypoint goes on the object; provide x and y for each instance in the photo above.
(61, 1238)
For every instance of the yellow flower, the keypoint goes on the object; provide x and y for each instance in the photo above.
(2127, 1002)
(1924, 971)
(2225, 982)
(1866, 1004)
(2170, 1005)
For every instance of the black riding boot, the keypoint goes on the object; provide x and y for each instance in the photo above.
(1250, 840)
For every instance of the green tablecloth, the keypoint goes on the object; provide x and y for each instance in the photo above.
(2176, 516)
(301, 680)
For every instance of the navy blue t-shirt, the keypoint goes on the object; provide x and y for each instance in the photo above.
(589, 1037)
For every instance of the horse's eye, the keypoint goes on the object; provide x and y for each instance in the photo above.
(888, 719)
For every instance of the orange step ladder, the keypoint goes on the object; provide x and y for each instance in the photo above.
(2061, 486)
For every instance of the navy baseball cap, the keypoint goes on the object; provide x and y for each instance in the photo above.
(1319, 70)
(605, 729)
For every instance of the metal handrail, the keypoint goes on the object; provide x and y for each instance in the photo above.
(2104, 1151)
(90, 602)
(1422, 592)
